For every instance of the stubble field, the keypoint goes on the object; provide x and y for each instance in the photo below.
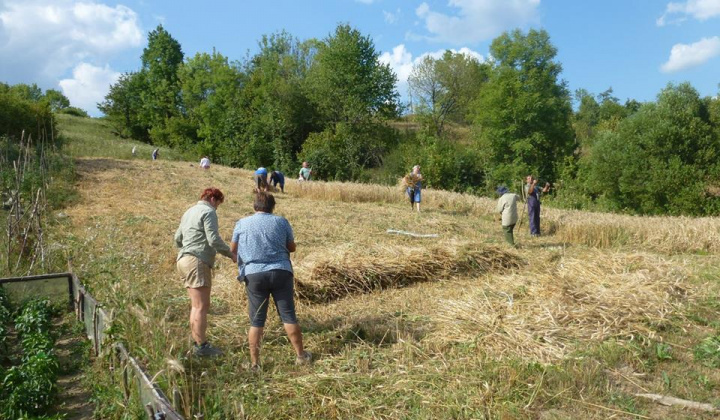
(570, 325)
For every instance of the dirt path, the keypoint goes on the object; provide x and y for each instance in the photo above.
(73, 396)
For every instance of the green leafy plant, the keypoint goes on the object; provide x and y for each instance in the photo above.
(708, 351)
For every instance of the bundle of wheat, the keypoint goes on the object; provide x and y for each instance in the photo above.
(542, 317)
(326, 278)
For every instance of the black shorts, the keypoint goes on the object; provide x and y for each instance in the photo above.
(276, 283)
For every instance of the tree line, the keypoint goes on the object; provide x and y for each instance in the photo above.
(472, 125)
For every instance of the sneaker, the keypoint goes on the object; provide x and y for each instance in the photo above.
(206, 350)
(305, 359)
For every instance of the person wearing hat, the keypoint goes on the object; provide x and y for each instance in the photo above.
(507, 207)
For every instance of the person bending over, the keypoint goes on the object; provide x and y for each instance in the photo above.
(277, 177)
(261, 181)
(263, 243)
(199, 242)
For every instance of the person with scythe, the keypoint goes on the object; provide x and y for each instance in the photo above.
(532, 192)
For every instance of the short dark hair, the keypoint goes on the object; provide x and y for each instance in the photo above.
(264, 202)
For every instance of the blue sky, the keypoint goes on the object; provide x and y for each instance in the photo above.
(634, 46)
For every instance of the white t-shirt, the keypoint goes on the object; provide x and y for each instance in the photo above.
(204, 162)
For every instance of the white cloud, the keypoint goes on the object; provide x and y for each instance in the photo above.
(401, 61)
(699, 9)
(40, 40)
(391, 17)
(684, 56)
(88, 86)
(477, 20)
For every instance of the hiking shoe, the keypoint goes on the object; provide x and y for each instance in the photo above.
(206, 350)
(305, 359)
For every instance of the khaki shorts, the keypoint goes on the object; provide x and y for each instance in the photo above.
(194, 272)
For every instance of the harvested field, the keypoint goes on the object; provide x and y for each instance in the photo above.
(546, 317)
(457, 326)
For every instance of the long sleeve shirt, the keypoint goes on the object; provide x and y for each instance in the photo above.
(507, 206)
(198, 234)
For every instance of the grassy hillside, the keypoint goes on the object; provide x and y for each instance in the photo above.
(93, 137)
(570, 325)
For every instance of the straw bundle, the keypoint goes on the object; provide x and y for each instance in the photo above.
(351, 272)
(541, 318)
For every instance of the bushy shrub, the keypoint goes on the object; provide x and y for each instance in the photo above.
(78, 112)
(444, 164)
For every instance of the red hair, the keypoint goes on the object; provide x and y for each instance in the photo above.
(212, 193)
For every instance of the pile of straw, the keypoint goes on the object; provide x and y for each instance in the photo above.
(543, 317)
(351, 272)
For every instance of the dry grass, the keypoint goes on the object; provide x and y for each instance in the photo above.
(545, 316)
(670, 235)
(390, 352)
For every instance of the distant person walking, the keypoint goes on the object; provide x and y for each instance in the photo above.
(263, 243)
(155, 154)
(261, 182)
(413, 187)
(507, 207)
(134, 151)
(199, 242)
(305, 172)
(532, 194)
(205, 162)
(277, 177)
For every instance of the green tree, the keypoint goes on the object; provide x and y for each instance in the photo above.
(348, 83)
(596, 114)
(354, 94)
(276, 112)
(210, 88)
(27, 92)
(523, 112)
(161, 99)
(124, 106)
(444, 88)
(659, 160)
(56, 100)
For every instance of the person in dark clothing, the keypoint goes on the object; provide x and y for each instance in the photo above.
(277, 177)
(532, 194)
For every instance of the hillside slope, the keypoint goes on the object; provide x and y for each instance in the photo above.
(457, 326)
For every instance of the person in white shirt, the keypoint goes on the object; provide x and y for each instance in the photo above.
(205, 162)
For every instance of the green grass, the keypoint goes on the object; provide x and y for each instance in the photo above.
(94, 137)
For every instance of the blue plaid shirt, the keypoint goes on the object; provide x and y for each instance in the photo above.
(262, 243)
